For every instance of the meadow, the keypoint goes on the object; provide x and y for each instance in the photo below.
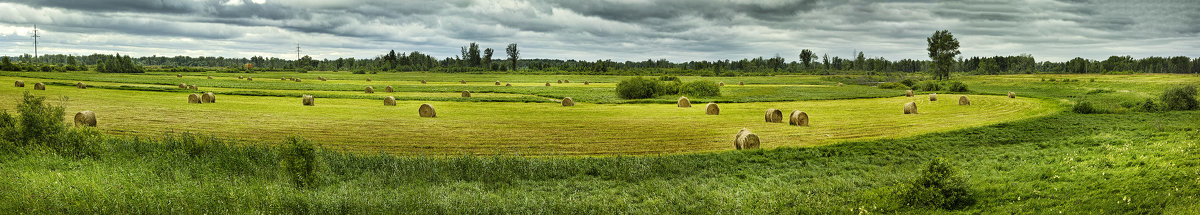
(155, 153)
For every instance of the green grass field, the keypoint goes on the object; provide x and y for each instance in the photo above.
(1029, 155)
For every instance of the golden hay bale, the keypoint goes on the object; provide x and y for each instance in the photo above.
(746, 140)
(963, 100)
(567, 102)
(308, 100)
(547, 84)
(389, 89)
(85, 118)
(389, 101)
(507, 85)
(738, 144)
(183, 86)
(586, 83)
(426, 110)
(178, 75)
(566, 81)
(322, 78)
(20, 84)
(684, 102)
(297, 79)
(774, 115)
(908, 93)
(721, 84)
(369, 90)
(368, 79)
(712, 109)
(559, 81)
(497, 83)
(910, 108)
(283, 79)
(39, 86)
(462, 81)
(80, 85)
(208, 97)
(249, 78)
(933, 97)
(241, 77)
(192, 87)
(209, 77)
(194, 98)
(422, 81)
(291, 79)
(741, 83)
(466, 93)
(798, 118)
(839, 84)
(1012, 95)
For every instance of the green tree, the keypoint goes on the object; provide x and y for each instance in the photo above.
(806, 57)
(988, 66)
(859, 62)
(487, 57)
(825, 61)
(942, 50)
(472, 56)
(513, 54)
(6, 64)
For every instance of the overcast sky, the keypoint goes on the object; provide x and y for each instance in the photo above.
(620, 30)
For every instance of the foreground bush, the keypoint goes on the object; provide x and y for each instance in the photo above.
(940, 186)
(298, 158)
(637, 88)
(1180, 98)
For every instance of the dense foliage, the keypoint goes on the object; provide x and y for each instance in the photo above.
(637, 88)
(1180, 98)
(939, 185)
(701, 88)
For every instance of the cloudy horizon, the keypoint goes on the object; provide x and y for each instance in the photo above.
(620, 30)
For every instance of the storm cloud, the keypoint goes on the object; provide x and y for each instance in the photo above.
(602, 29)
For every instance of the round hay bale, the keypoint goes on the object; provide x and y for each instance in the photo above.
(178, 75)
(249, 78)
(389, 89)
(39, 86)
(497, 83)
(209, 77)
(308, 100)
(241, 77)
(721, 84)
(297, 79)
(426, 110)
(684, 102)
(192, 87)
(389, 101)
(741, 83)
(422, 81)
(208, 97)
(736, 143)
(369, 90)
(839, 84)
(462, 81)
(586, 83)
(962, 100)
(85, 118)
(559, 81)
(183, 86)
(1012, 95)
(746, 140)
(774, 115)
(466, 93)
(566, 81)
(547, 84)
(283, 79)
(712, 109)
(194, 98)
(910, 108)
(322, 78)
(933, 97)
(508, 85)
(908, 93)
(19, 84)
(368, 79)
(798, 118)
(80, 85)
(567, 102)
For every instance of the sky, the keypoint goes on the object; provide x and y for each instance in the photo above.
(619, 30)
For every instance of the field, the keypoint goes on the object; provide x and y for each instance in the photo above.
(1025, 155)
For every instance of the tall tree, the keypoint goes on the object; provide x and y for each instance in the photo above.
(825, 61)
(513, 54)
(942, 49)
(860, 62)
(487, 57)
(806, 57)
(473, 55)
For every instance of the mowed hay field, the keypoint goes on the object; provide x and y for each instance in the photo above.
(345, 118)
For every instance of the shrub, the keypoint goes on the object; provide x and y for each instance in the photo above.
(928, 86)
(40, 122)
(1085, 107)
(700, 88)
(668, 78)
(938, 185)
(637, 88)
(299, 161)
(893, 85)
(668, 88)
(957, 86)
(909, 83)
(1052, 80)
(1180, 98)
(1149, 106)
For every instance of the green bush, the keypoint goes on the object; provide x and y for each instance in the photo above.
(299, 161)
(668, 78)
(637, 88)
(909, 83)
(701, 88)
(1149, 106)
(1085, 107)
(928, 86)
(1180, 98)
(940, 186)
(957, 86)
(893, 85)
(668, 88)
(40, 122)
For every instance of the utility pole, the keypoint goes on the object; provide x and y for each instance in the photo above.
(297, 52)
(35, 43)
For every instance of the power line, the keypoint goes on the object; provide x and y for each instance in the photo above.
(35, 43)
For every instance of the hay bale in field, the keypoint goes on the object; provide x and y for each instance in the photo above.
(85, 118)
(933, 97)
(194, 99)
(566, 81)
(283, 79)
(462, 81)
(559, 81)
(369, 89)
(712, 109)
(497, 83)
(910, 108)
(721, 84)
(209, 77)
(249, 78)
(19, 84)
(1012, 95)
(422, 81)
(322, 78)
(683, 102)
(178, 75)
(193, 87)
(389, 101)
(839, 84)
(80, 85)
(508, 85)
(389, 89)
(745, 140)
(908, 93)
(183, 86)
(241, 77)
(297, 79)
(39, 86)
(466, 93)
(208, 97)
(308, 100)
(547, 84)
(567, 102)
(962, 100)
(741, 83)
(774, 115)
(798, 118)
(586, 83)
(368, 79)
(426, 110)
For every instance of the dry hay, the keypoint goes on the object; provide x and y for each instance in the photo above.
(798, 118)
(963, 100)
(85, 118)
(192, 87)
(178, 75)
(80, 85)
(933, 97)
(209, 77)
(283, 79)
(291, 79)
(368, 79)
(507, 85)
(745, 140)
(422, 81)
(39, 86)
(183, 86)
(466, 93)
(389, 89)
(308, 100)
(566, 81)
(586, 83)
(559, 81)
(426, 110)
(1012, 95)
(712, 109)
(721, 84)
(241, 77)
(369, 90)
(19, 84)
(322, 78)
(389, 101)
(839, 84)
(208, 97)
(297, 79)
(249, 78)
(567, 102)
(908, 93)
(910, 108)
(774, 115)
(547, 84)
(497, 83)
(194, 99)
(741, 83)
(684, 102)
(462, 81)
